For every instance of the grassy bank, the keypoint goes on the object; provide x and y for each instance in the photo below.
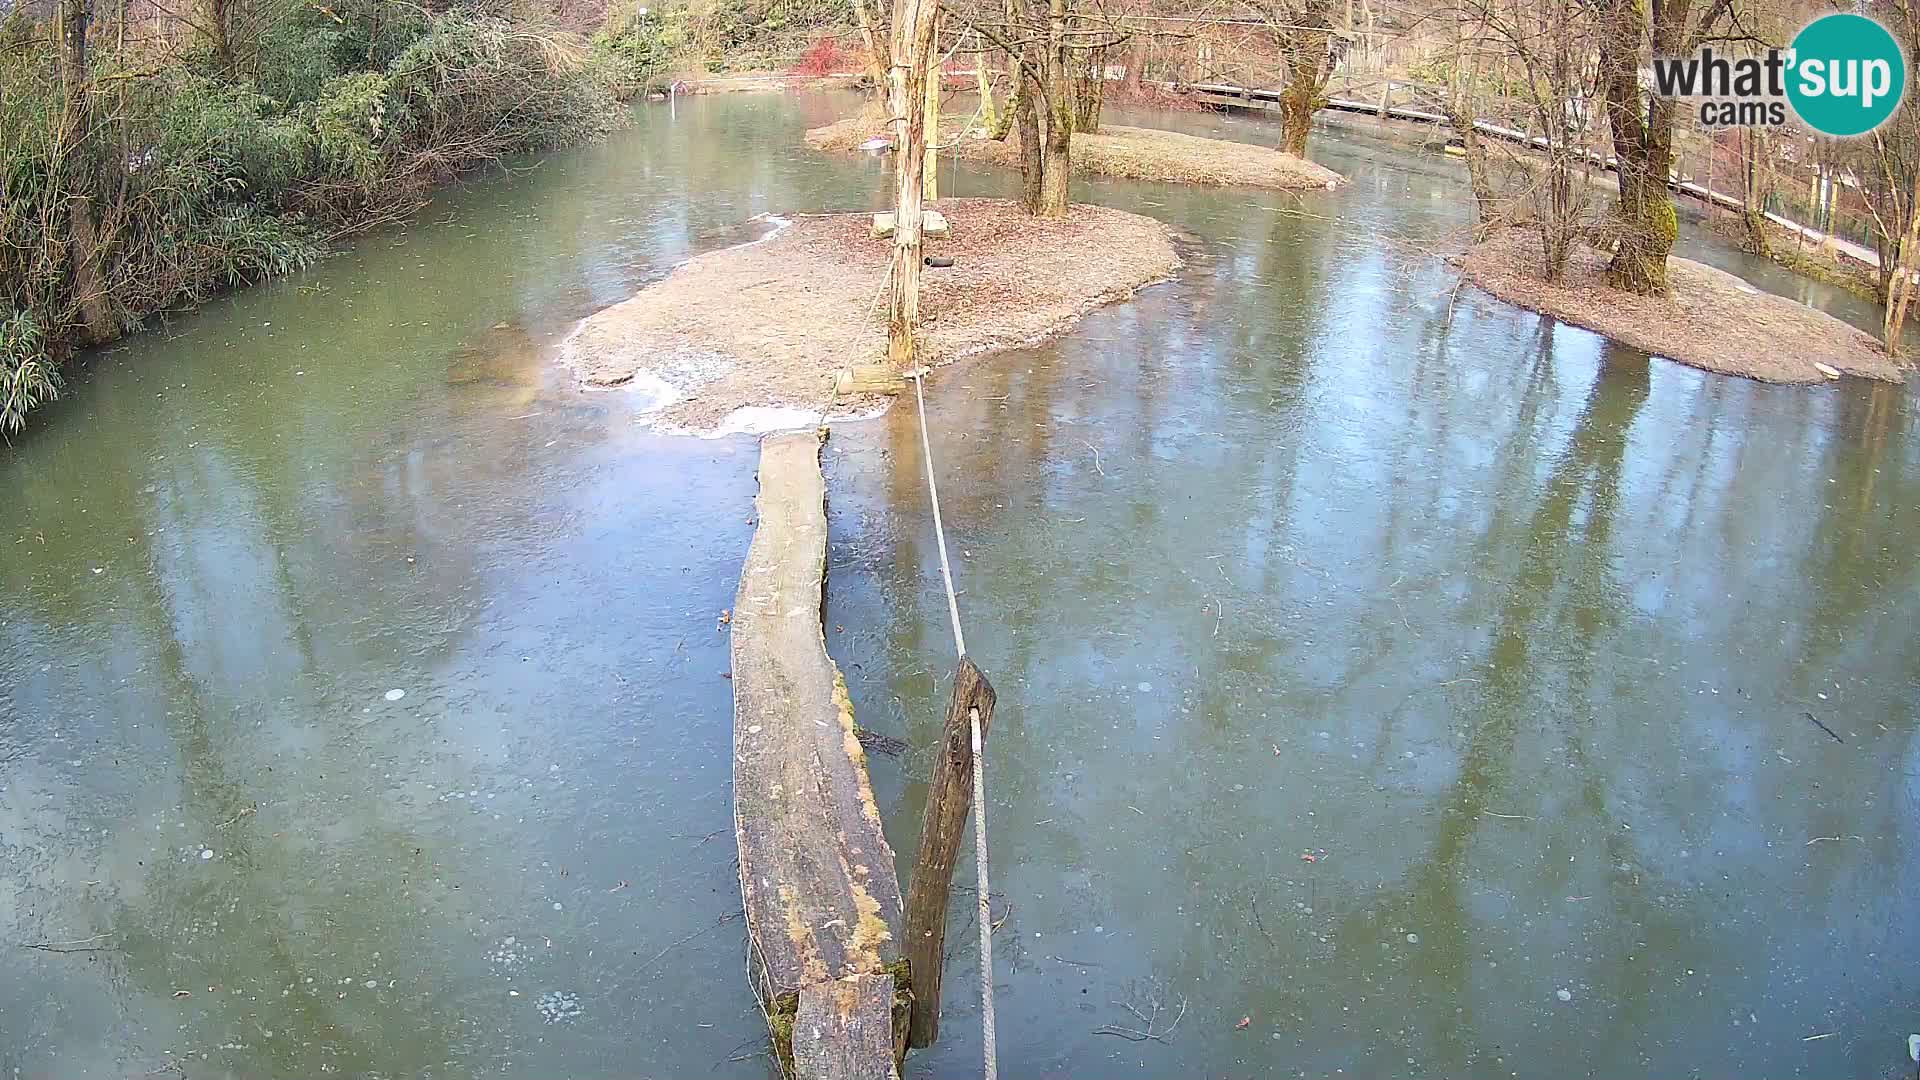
(146, 167)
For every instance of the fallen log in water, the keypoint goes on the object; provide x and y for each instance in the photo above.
(822, 899)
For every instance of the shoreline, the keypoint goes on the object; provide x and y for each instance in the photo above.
(1119, 151)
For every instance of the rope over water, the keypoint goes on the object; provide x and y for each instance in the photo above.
(985, 919)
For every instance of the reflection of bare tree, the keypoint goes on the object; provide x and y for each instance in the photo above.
(1554, 608)
(266, 943)
(249, 938)
(1850, 578)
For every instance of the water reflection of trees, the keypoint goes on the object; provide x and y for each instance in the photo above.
(238, 573)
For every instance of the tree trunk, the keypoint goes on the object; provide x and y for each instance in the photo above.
(1056, 170)
(1306, 43)
(1755, 189)
(1643, 148)
(1900, 286)
(1032, 154)
(989, 116)
(934, 71)
(1089, 90)
(220, 34)
(1055, 135)
(89, 291)
(875, 58)
(1462, 110)
(1296, 118)
(1485, 200)
(912, 44)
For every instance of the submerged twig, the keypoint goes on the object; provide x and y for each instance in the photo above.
(77, 945)
(717, 924)
(1096, 457)
(874, 742)
(1151, 1022)
(1825, 728)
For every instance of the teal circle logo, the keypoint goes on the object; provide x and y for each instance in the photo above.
(1846, 75)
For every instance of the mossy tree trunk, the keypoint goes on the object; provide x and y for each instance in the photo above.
(1056, 166)
(1032, 154)
(1307, 42)
(1038, 50)
(220, 18)
(1089, 91)
(1296, 118)
(1630, 32)
(1486, 200)
(983, 85)
(1463, 109)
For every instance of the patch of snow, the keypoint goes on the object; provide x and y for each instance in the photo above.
(654, 392)
(780, 225)
(760, 419)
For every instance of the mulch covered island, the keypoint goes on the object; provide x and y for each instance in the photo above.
(1710, 319)
(768, 325)
(1128, 152)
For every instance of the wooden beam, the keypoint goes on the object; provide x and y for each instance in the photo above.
(816, 875)
(869, 379)
(949, 802)
(844, 1029)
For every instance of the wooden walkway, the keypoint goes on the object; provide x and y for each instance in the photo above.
(822, 898)
(1229, 96)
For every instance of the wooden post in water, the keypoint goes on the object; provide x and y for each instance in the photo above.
(949, 802)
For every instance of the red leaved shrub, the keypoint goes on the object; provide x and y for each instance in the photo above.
(823, 57)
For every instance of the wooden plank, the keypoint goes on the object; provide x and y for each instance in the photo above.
(869, 379)
(949, 801)
(816, 874)
(932, 223)
(843, 1030)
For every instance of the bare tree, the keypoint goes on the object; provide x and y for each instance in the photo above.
(913, 30)
(1629, 33)
(1547, 47)
(1047, 50)
(1758, 176)
(1304, 33)
(1887, 166)
(79, 148)
(875, 57)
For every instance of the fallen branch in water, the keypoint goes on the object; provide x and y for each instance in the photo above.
(722, 921)
(74, 946)
(874, 742)
(1135, 1035)
(1825, 728)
